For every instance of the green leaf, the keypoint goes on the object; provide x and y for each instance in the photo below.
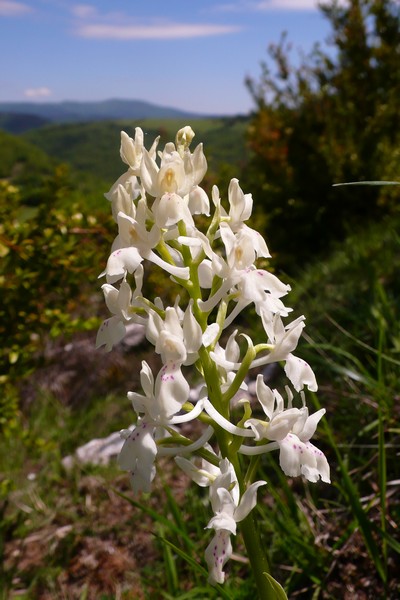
(367, 183)
(279, 592)
(158, 518)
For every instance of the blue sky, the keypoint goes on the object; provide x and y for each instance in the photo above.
(187, 54)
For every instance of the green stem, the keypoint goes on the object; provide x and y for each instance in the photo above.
(220, 401)
(258, 560)
(251, 537)
(240, 375)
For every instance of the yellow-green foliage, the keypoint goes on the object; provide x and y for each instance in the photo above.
(50, 259)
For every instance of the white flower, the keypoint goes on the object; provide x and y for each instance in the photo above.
(138, 455)
(178, 338)
(176, 174)
(290, 431)
(120, 303)
(132, 232)
(163, 397)
(203, 475)
(240, 204)
(280, 421)
(133, 244)
(240, 276)
(284, 340)
(111, 332)
(131, 150)
(198, 202)
(229, 509)
(122, 194)
(183, 138)
(303, 458)
(261, 288)
(217, 554)
(170, 209)
(243, 247)
(121, 197)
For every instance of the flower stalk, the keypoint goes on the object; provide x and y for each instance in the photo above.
(156, 205)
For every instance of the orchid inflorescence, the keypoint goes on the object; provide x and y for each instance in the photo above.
(156, 205)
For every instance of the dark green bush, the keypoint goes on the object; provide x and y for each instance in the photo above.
(333, 119)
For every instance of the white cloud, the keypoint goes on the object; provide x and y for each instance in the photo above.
(40, 92)
(158, 30)
(269, 5)
(230, 7)
(293, 5)
(9, 8)
(83, 11)
(286, 5)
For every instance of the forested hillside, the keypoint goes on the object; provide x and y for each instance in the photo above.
(90, 147)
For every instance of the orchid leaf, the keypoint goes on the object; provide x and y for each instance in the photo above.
(279, 592)
(367, 183)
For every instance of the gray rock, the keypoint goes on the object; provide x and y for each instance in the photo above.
(99, 451)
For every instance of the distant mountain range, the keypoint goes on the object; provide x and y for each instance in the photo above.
(16, 117)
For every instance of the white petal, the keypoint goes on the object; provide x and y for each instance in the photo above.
(315, 465)
(137, 456)
(240, 204)
(309, 426)
(149, 174)
(265, 396)
(255, 450)
(180, 272)
(171, 392)
(228, 365)
(217, 554)
(223, 507)
(282, 424)
(189, 416)
(290, 455)
(232, 350)
(124, 299)
(200, 443)
(140, 403)
(210, 334)
(111, 297)
(248, 501)
(200, 476)
(300, 373)
(199, 164)
(192, 332)
(110, 333)
(122, 261)
(224, 423)
(147, 379)
(198, 202)
(127, 150)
